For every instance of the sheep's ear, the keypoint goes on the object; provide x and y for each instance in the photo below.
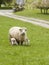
(25, 28)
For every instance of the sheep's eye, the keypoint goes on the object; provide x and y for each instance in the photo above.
(20, 30)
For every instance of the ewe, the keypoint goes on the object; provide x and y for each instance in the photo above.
(19, 35)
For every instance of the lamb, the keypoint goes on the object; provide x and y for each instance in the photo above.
(19, 34)
(13, 41)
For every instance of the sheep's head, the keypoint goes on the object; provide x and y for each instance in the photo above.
(13, 40)
(23, 31)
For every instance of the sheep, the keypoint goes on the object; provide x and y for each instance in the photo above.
(13, 41)
(19, 34)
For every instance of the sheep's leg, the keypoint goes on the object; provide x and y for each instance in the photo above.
(18, 42)
(21, 42)
(27, 41)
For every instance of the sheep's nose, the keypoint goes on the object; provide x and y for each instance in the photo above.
(23, 33)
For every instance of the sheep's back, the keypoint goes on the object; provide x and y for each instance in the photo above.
(14, 32)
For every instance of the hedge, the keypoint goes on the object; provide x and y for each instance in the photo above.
(5, 7)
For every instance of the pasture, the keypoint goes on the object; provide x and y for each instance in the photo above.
(37, 53)
(35, 13)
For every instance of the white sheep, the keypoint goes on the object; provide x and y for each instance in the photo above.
(19, 34)
(13, 41)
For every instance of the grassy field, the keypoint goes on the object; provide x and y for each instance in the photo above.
(35, 13)
(35, 54)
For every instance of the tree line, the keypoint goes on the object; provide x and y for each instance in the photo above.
(5, 2)
(43, 5)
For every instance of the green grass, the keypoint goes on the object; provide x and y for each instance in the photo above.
(35, 13)
(35, 54)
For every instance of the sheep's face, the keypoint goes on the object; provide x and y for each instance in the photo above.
(13, 40)
(23, 31)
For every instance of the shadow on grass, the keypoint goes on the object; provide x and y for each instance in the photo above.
(43, 13)
(21, 45)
